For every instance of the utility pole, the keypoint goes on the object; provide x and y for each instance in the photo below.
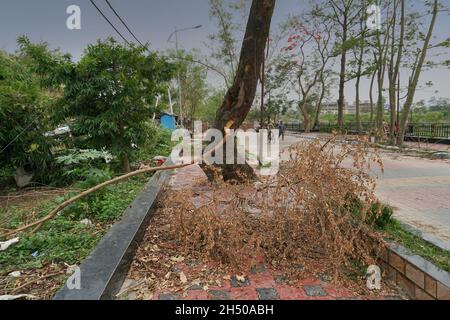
(180, 97)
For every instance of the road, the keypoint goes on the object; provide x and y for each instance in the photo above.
(418, 189)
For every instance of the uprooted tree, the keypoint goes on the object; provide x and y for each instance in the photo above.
(239, 97)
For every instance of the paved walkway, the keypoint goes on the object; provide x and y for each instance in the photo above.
(418, 188)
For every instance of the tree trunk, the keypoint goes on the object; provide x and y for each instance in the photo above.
(126, 163)
(306, 120)
(357, 105)
(372, 82)
(394, 70)
(239, 97)
(415, 80)
(341, 99)
(319, 102)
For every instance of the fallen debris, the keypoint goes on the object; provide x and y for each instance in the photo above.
(292, 233)
(6, 244)
(15, 274)
(86, 222)
(17, 297)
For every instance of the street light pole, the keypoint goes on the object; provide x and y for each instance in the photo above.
(180, 98)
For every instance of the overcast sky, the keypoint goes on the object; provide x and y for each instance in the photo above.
(153, 21)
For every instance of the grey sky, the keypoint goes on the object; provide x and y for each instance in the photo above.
(153, 21)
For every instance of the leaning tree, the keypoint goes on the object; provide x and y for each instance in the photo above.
(239, 97)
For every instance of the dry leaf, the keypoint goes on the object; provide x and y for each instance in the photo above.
(183, 278)
(177, 259)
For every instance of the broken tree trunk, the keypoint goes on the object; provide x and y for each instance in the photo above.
(239, 97)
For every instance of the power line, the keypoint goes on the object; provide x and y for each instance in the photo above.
(110, 23)
(123, 22)
(145, 47)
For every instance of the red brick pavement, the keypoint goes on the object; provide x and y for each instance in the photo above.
(267, 285)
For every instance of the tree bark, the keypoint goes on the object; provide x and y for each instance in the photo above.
(394, 71)
(341, 99)
(239, 98)
(372, 83)
(416, 76)
(306, 119)
(126, 163)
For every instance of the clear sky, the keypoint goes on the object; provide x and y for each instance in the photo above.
(153, 21)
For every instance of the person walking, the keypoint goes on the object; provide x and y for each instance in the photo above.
(281, 130)
(269, 129)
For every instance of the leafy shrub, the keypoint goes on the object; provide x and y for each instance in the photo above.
(157, 143)
(382, 216)
(23, 116)
(84, 166)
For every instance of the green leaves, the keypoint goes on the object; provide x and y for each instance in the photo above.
(79, 156)
(23, 114)
(111, 94)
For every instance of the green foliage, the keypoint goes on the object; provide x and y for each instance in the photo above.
(108, 96)
(157, 144)
(60, 241)
(382, 216)
(6, 175)
(416, 245)
(23, 116)
(111, 96)
(64, 239)
(194, 86)
(91, 165)
(207, 111)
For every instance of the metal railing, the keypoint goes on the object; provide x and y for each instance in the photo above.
(414, 130)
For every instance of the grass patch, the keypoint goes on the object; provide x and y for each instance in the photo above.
(64, 239)
(396, 232)
(393, 230)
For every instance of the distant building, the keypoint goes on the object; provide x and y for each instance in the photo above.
(332, 107)
(364, 107)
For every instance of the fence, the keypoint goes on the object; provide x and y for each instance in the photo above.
(415, 130)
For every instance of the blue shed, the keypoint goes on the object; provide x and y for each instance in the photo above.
(168, 121)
